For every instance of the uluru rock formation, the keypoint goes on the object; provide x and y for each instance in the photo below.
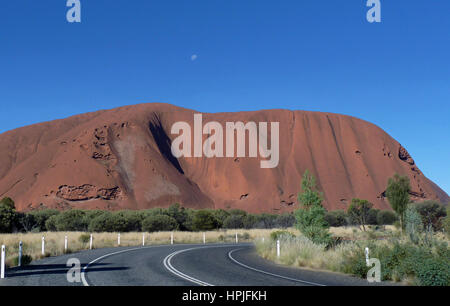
(121, 159)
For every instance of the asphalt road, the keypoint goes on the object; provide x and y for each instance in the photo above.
(173, 265)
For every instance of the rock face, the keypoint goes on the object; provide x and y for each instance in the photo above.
(121, 159)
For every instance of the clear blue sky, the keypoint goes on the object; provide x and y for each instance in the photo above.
(251, 54)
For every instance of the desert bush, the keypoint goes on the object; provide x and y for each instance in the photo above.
(386, 217)
(127, 221)
(434, 272)
(265, 221)
(413, 224)
(372, 216)
(84, 238)
(104, 222)
(238, 212)
(50, 223)
(285, 220)
(8, 215)
(281, 234)
(204, 220)
(234, 221)
(432, 213)
(180, 214)
(249, 221)
(26, 222)
(359, 212)
(220, 216)
(336, 218)
(71, 220)
(41, 217)
(157, 223)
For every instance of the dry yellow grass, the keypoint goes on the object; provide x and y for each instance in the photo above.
(54, 241)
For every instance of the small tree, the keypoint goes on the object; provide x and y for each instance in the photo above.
(309, 195)
(311, 223)
(311, 215)
(397, 193)
(359, 212)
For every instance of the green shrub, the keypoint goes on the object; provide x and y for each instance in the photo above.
(281, 234)
(204, 220)
(372, 216)
(220, 216)
(84, 238)
(71, 220)
(41, 217)
(413, 224)
(8, 215)
(127, 221)
(354, 263)
(159, 223)
(261, 221)
(432, 213)
(180, 214)
(285, 220)
(234, 221)
(336, 218)
(386, 217)
(434, 272)
(50, 223)
(102, 223)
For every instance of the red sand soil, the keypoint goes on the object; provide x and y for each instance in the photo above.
(120, 159)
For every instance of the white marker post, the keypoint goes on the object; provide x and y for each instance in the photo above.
(19, 262)
(171, 238)
(237, 240)
(367, 256)
(204, 238)
(263, 239)
(3, 262)
(118, 239)
(90, 242)
(278, 248)
(143, 239)
(65, 244)
(43, 246)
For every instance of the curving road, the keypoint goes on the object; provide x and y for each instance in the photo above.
(173, 265)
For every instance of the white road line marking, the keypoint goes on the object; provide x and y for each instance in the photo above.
(84, 269)
(168, 265)
(83, 278)
(268, 273)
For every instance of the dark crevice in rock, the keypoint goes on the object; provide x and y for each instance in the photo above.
(163, 142)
